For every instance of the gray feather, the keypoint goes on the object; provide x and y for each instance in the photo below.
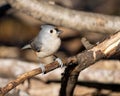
(36, 45)
(26, 47)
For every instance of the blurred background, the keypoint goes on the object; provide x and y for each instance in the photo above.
(18, 29)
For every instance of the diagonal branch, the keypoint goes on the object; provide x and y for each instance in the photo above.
(60, 16)
(87, 58)
(84, 60)
(20, 79)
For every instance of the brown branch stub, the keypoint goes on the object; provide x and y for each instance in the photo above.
(86, 43)
(66, 17)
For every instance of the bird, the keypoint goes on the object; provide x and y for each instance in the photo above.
(46, 43)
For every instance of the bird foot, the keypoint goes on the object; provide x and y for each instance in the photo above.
(42, 68)
(59, 61)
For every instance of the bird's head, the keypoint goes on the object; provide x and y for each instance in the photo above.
(50, 30)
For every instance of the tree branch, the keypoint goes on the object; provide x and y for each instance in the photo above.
(87, 58)
(109, 71)
(26, 76)
(84, 59)
(60, 16)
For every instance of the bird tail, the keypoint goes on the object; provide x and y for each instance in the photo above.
(26, 47)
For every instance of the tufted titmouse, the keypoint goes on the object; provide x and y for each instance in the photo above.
(46, 43)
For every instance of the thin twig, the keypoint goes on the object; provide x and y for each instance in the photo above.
(20, 79)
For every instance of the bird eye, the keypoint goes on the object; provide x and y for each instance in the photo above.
(51, 31)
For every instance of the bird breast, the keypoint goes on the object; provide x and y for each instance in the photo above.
(49, 47)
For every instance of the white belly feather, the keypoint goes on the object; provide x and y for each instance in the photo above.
(49, 48)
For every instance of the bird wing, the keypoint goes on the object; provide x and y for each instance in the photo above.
(26, 47)
(36, 45)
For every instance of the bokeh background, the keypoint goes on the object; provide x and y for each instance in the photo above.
(18, 29)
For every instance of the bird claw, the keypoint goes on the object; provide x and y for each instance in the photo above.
(42, 68)
(59, 61)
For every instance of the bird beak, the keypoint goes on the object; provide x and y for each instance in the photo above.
(59, 31)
